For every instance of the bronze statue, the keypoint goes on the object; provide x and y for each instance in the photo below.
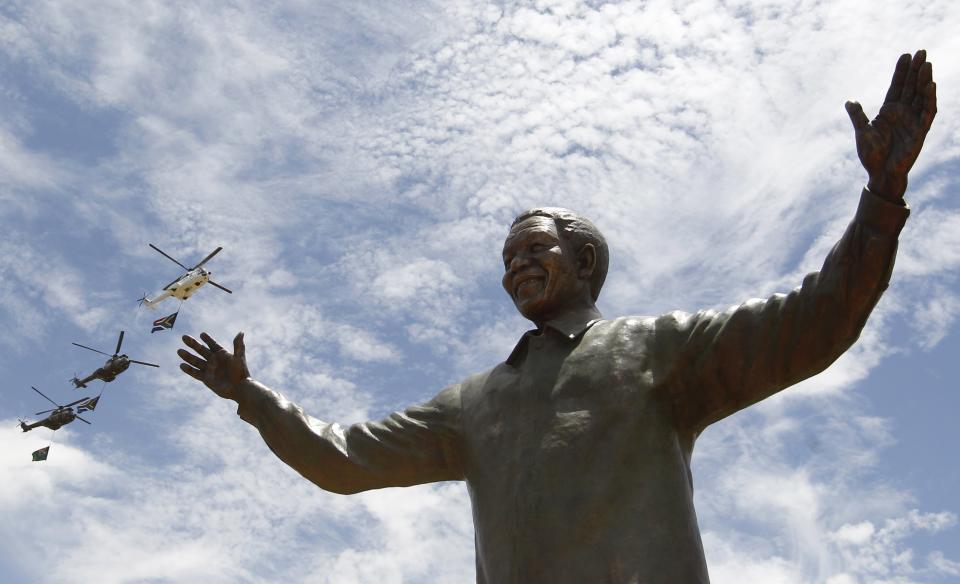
(576, 450)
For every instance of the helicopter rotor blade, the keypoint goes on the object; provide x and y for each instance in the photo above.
(164, 254)
(206, 259)
(44, 397)
(119, 342)
(92, 349)
(43, 412)
(143, 363)
(228, 291)
(173, 282)
(82, 420)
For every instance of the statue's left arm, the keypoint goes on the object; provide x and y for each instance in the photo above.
(720, 362)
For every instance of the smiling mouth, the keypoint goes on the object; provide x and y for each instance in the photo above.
(523, 282)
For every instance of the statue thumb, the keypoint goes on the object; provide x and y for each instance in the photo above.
(855, 111)
(239, 349)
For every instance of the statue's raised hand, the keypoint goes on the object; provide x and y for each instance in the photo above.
(218, 369)
(889, 145)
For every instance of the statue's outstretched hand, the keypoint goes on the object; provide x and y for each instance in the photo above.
(889, 145)
(216, 367)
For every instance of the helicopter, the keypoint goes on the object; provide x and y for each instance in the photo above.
(114, 366)
(186, 285)
(59, 416)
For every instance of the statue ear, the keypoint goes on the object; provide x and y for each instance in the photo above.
(586, 261)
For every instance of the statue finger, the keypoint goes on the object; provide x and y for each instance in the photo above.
(192, 372)
(930, 105)
(899, 75)
(910, 83)
(196, 346)
(192, 359)
(211, 342)
(924, 78)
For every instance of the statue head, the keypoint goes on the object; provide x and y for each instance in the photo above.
(555, 260)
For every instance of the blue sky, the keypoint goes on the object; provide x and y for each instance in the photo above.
(360, 165)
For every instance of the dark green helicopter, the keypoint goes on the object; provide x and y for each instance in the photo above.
(59, 416)
(114, 366)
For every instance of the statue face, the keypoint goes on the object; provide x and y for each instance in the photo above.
(540, 273)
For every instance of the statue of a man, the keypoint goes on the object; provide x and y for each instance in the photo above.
(576, 449)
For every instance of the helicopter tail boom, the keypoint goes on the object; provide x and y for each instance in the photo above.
(152, 303)
(27, 427)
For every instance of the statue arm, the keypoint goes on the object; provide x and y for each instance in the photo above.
(417, 445)
(421, 444)
(721, 362)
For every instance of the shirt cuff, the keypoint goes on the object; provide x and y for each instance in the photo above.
(251, 399)
(880, 214)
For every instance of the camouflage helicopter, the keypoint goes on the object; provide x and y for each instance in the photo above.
(114, 366)
(59, 416)
(187, 284)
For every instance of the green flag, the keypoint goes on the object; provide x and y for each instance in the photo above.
(41, 454)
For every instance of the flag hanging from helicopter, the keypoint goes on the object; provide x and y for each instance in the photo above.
(40, 455)
(165, 322)
(89, 405)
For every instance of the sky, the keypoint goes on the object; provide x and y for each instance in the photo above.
(360, 163)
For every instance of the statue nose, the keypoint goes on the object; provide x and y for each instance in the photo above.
(519, 261)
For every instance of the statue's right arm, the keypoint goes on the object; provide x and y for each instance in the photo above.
(421, 444)
(418, 445)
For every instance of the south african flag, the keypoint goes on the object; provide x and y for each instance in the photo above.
(41, 454)
(89, 405)
(165, 322)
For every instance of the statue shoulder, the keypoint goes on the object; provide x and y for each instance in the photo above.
(626, 325)
(478, 380)
(648, 328)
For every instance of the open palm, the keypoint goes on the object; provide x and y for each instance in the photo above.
(889, 145)
(218, 369)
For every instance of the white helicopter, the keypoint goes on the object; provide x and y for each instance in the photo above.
(186, 285)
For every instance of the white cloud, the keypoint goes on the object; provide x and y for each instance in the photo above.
(40, 287)
(878, 556)
(934, 320)
(420, 535)
(22, 170)
(931, 245)
(943, 565)
(807, 514)
(67, 467)
(857, 534)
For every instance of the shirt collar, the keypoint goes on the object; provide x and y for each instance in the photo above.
(570, 325)
(574, 323)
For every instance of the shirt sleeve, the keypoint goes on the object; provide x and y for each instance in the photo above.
(721, 362)
(418, 445)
